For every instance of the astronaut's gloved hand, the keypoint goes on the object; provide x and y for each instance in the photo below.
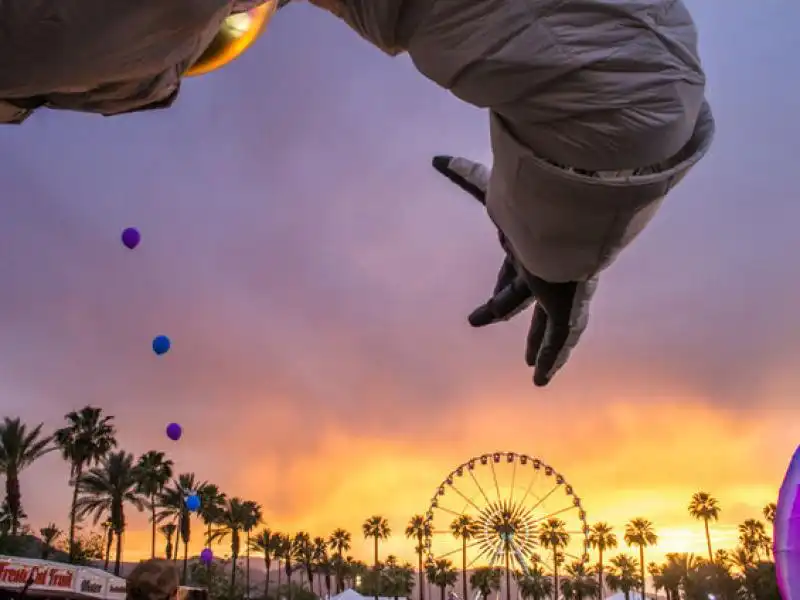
(561, 310)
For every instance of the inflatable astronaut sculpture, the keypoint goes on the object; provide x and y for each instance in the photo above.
(597, 110)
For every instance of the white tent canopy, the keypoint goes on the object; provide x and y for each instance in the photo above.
(350, 594)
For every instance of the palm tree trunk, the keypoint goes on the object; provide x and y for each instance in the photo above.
(233, 573)
(73, 511)
(267, 565)
(601, 590)
(641, 559)
(14, 499)
(185, 561)
(442, 590)
(464, 567)
(109, 541)
(555, 574)
(118, 557)
(279, 579)
(377, 575)
(420, 572)
(153, 532)
(708, 541)
(247, 566)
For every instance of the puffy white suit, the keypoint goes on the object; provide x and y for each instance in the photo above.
(597, 110)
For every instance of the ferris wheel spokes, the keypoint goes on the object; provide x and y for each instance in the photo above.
(497, 514)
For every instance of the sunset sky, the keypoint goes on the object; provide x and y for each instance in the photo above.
(315, 274)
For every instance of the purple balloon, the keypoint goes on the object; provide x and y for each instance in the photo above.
(174, 432)
(131, 238)
(206, 555)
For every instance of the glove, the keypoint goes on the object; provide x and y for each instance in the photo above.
(561, 310)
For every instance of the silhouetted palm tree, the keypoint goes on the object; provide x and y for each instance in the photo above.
(19, 448)
(50, 534)
(105, 489)
(464, 528)
(252, 520)
(419, 529)
(87, 437)
(442, 574)
(769, 512)
(339, 543)
(602, 538)
(154, 470)
(212, 503)
(172, 501)
(553, 536)
(639, 532)
(232, 521)
(377, 528)
(168, 531)
(265, 542)
(704, 507)
(624, 574)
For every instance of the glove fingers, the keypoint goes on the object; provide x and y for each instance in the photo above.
(506, 275)
(470, 176)
(508, 302)
(535, 335)
(568, 316)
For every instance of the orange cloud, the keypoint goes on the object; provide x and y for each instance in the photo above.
(624, 460)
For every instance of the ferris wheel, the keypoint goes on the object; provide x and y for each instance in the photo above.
(506, 510)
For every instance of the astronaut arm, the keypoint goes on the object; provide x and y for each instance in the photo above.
(376, 21)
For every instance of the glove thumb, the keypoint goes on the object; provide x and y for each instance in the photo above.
(470, 176)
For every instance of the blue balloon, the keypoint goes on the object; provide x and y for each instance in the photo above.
(161, 344)
(193, 502)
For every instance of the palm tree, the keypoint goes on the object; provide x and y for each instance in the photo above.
(168, 530)
(212, 502)
(339, 543)
(87, 438)
(50, 534)
(19, 448)
(155, 470)
(232, 521)
(419, 528)
(753, 537)
(287, 547)
(769, 512)
(602, 538)
(442, 574)
(104, 491)
(253, 518)
(486, 580)
(704, 507)
(624, 574)
(639, 532)
(278, 552)
(579, 584)
(322, 562)
(108, 537)
(172, 501)
(264, 542)
(553, 536)
(464, 528)
(377, 528)
(303, 554)
(534, 585)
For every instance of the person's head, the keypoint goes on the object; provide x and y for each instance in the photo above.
(154, 579)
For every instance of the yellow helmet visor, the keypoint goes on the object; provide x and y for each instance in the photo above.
(236, 34)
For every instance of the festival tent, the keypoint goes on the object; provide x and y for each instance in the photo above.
(351, 594)
(59, 580)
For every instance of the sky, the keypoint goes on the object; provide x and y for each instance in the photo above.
(314, 275)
